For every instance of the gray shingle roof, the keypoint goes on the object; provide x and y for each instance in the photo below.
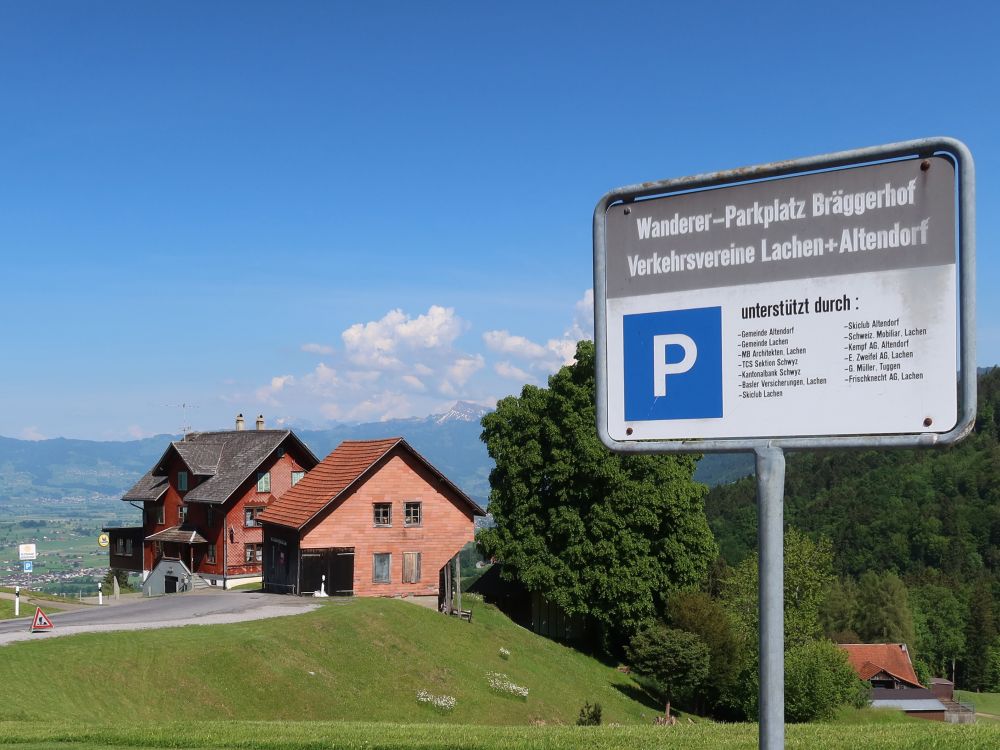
(182, 534)
(147, 489)
(227, 458)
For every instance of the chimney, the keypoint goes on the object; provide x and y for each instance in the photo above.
(240, 422)
(260, 421)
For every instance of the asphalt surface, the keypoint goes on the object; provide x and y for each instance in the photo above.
(196, 608)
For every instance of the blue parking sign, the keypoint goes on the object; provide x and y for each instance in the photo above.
(28, 565)
(673, 364)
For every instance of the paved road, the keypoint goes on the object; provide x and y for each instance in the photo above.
(197, 608)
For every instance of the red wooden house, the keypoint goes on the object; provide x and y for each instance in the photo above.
(375, 518)
(201, 502)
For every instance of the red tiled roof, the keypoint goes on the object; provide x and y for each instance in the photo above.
(348, 463)
(868, 659)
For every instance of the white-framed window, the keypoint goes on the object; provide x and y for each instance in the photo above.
(297, 477)
(382, 514)
(159, 514)
(182, 481)
(412, 513)
(263, 481)
(182, 513)
(411, 567)
(250, 514)
(381, 567)
(253, 553)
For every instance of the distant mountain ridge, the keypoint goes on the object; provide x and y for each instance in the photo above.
(60, 468)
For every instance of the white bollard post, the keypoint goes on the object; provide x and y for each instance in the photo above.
(322, 587)
(17, 601)
(100, 594)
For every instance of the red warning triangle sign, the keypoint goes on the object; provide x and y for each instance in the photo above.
(41, 622)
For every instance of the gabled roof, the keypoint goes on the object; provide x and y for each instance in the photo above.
(907, 699)
(182, 534)
(148, 489)
(869, 659)
(346, 467)
(227, 458)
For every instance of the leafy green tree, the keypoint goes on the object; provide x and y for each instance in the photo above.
(883, 612)
(808, 574)
(818, 681)
(838, 613)
(678, 662)
(980, 634)
(696, 612)
(599, 534)
(940, 623)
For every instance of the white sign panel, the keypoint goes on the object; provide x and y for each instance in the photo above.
(26, 551)
(817, 305)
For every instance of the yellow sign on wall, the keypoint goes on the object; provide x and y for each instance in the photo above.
(104, 540)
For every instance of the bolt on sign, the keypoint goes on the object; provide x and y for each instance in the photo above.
(814, 304)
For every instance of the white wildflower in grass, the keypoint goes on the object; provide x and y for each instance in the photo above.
(504, 653)
(500, 683)
(440, 702)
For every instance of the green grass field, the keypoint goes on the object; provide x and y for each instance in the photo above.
(347, 675)
(987, 703)
(911, 735)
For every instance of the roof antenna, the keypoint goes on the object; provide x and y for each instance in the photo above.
(186, 426)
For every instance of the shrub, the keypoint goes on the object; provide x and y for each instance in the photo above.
(590, 716)
(818, 680)
(677, 661)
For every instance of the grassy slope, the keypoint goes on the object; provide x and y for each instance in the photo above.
(988, 703)
(361, 661)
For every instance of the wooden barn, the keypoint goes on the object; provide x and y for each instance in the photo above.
(374, 518)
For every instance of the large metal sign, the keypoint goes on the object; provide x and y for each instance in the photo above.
(820, 308)
(27, 552)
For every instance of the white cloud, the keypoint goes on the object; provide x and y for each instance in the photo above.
(465, 367)
(583, 317)
(504, 342)
(414, 382)
(313, 348)
(507, 370)
(267, 393)
(31, 433)
(378, 343)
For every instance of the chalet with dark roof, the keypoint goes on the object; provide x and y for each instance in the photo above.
(374, 518)
(201, 501)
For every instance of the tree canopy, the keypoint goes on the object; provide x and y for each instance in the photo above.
(600, 534)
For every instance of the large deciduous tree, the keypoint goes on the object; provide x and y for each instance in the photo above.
(600, 534)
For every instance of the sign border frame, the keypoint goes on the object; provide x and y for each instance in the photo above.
(915, 149)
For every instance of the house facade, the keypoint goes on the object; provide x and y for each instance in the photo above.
(374, 518)
(200, 504)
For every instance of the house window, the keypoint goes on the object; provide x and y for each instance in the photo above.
(182, 513)
(182, 481)
(128, 546)
(250, 516)
(383, 514)
(381, 564)
(412, 514)
(210, 554)
(210, 516)
(263, 481)
(297, 477)
(411, 567)
(120, 546)
(253, 553)
(159, 514)
(158, 549)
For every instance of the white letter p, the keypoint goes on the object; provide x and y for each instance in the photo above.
(662, 368)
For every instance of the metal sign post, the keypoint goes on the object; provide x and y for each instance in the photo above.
(824, 302)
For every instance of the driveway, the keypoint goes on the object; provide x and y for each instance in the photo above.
(197, 608)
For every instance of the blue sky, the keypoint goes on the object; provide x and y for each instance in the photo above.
(360, 211)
